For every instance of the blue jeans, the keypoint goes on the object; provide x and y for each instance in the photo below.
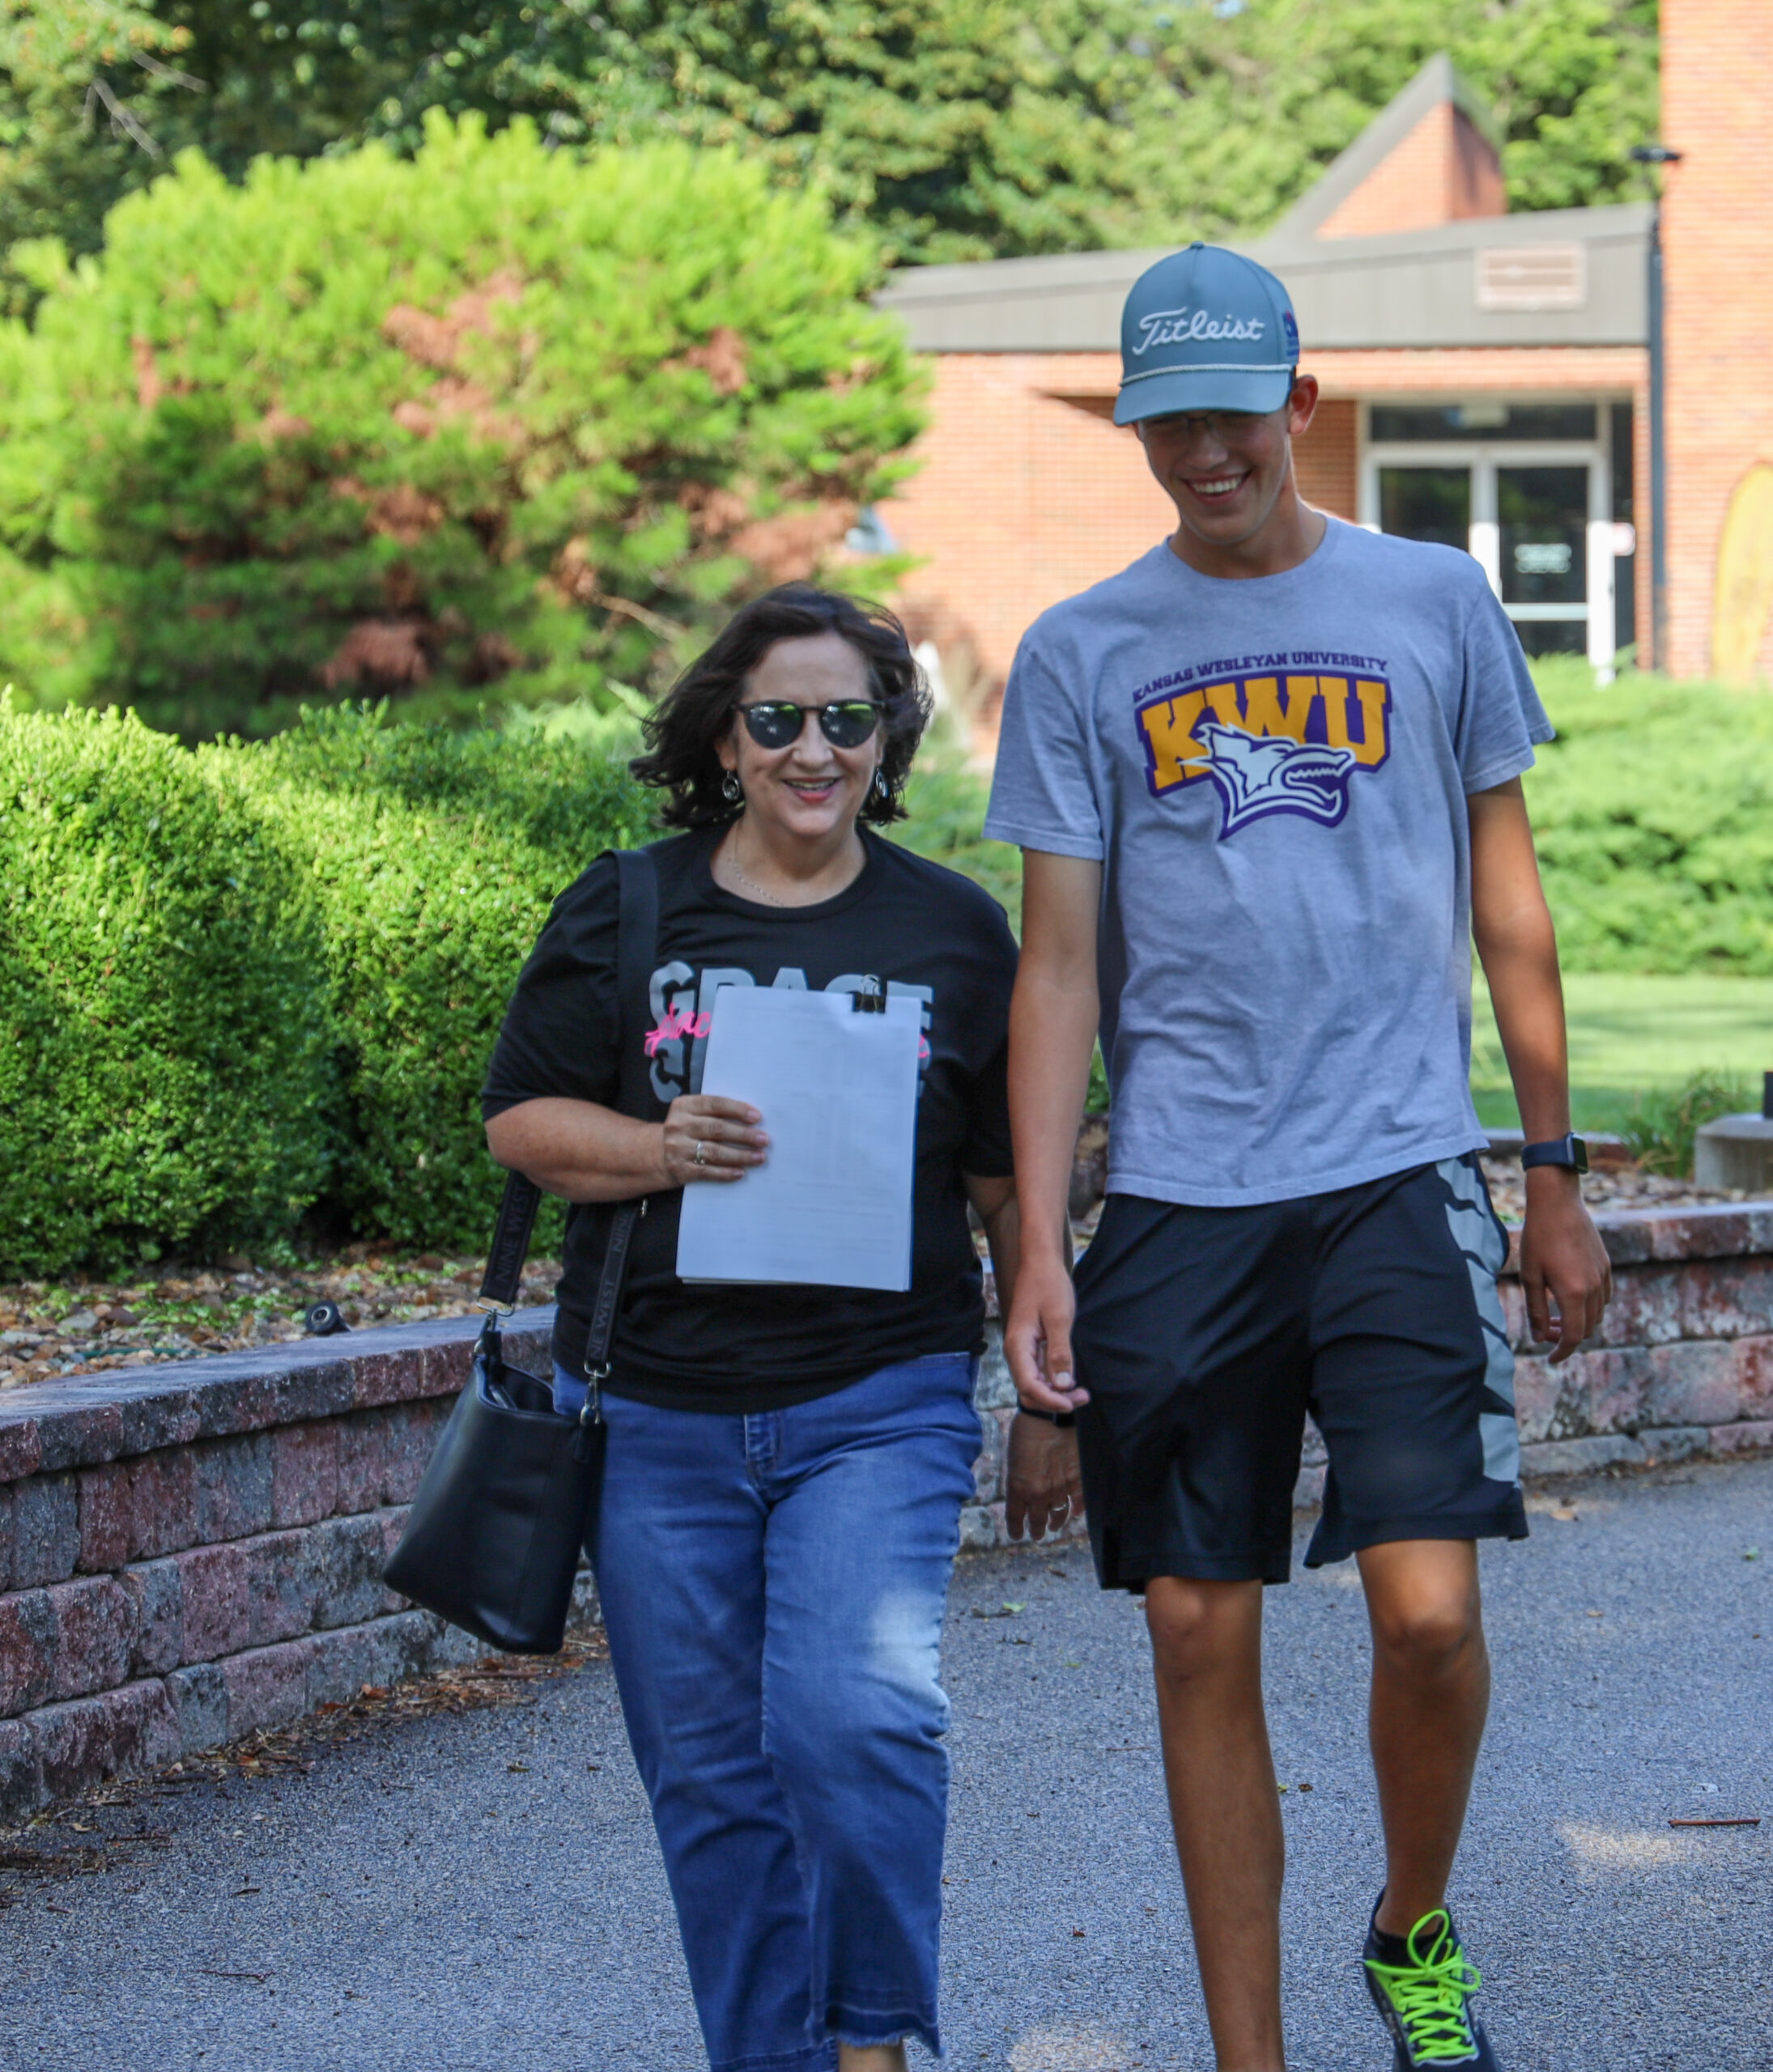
(773, 1587)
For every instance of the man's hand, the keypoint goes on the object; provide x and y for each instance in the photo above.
(1563, 1263)
(1045, 1489)
(1037, 1337)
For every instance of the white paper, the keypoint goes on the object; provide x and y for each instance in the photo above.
(831, 1206)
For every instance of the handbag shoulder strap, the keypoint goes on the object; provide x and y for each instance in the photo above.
(636, 939)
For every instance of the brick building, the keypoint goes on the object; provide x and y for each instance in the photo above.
(1486, 382)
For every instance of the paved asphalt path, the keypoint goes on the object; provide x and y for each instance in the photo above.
(422, 1905)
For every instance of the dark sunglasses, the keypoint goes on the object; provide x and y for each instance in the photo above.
(773, 725)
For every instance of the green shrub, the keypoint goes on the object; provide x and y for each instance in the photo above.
(435, 855)
(1653, 811)
(166, 1077)
(497, 422)
(1664, 1125)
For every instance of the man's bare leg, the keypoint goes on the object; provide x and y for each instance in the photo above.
(1206, 1643)
(1430, 1694)
(871, 2057)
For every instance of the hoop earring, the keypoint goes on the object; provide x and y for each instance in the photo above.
(731, 790)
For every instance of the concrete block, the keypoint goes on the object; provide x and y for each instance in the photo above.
(982, 1527)
(27, 1651)
(344, 1558)
(163, 1487)
(989, 1469)
(1752, 1436)
(1581, 1456)
(994, 1390)
(266, 1686)
(119, 1733)
(6, 1535)
(1538, 1395)
(1754, 1375)
(342, 1662)
(304, 1472)
(1696, 1382)
(79, 1430)
(199, 1699)
(1735, 1152)
(1646, 1307)
(281, 1583)
(233, 1487)
(105, 1509)
(157, 1590)
(45, 1529)
(95, 1635)
(363, 1461)
(445, 1370)
(1664, 1443)
(21, 1773)
(1726, 1298)
(21, 1444)
(410, 1440)
(380, 1377)
(216, 1601)
(314, 1389)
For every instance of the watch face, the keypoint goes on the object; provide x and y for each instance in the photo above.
(1578, 1154)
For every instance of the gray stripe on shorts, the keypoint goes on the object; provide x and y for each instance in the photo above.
(1474, 1230)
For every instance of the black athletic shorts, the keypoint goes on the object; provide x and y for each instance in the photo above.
(1204, 1335)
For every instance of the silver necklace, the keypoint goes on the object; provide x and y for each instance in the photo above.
(730, 858)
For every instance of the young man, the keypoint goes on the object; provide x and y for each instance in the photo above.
(1266, 782)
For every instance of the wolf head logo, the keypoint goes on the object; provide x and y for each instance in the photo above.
(1255, 776)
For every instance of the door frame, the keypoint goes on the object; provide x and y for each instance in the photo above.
(1483, 457)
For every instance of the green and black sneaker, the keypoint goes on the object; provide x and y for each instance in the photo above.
(1422, 1984)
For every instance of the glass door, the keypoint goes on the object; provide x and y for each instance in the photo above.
(1542, 527)
(1426, 504)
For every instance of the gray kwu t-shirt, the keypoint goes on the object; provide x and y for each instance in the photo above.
(1274, 773)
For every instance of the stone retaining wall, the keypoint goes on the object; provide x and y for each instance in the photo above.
(191, 1552)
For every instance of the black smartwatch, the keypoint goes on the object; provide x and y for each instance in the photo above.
(1570, 1151)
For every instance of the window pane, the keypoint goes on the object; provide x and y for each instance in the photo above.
(1426, 504)
(1474, 421)
(1545, 515)
(1554, 636)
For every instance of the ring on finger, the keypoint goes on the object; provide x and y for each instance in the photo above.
(701, 1153)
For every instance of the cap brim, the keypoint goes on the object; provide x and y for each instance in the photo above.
(1202, 388)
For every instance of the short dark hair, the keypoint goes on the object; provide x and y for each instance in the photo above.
(683, 728)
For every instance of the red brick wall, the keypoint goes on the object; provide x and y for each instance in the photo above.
(1717, 87)
(1021, 498)
(1443, 171)
(1326, 461)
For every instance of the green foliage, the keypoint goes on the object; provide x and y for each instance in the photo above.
(959, 128)
(433, 855)
(262, 979)
(166, 1069)
(1653, 811)
(493, 421)
(946, 799)
(1269, 92)
(1664, 1125)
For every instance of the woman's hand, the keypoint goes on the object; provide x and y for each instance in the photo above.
(1045, 1489)
(726, 1132)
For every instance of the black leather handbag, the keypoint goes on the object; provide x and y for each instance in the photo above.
(493, 1539)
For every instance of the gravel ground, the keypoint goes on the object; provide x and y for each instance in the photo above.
(480, 1892)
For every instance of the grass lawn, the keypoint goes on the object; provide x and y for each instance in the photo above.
(1630, 1032)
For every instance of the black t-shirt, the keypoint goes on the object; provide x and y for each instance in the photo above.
(905, 925)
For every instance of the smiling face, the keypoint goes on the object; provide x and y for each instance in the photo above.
(809, 790)
(1229, 473)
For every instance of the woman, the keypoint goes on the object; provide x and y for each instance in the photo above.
(786, 1466)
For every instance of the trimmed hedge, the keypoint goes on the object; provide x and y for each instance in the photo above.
(1653, 811)
(259, 980)
(166, 1075)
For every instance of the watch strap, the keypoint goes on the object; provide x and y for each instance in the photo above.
(1568, 1150)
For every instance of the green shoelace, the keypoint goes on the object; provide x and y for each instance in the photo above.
(1430, 1993)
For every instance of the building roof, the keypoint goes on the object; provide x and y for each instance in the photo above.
(1557, 276)
(1439, 82)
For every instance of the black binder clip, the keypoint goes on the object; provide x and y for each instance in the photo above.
(868, 1003)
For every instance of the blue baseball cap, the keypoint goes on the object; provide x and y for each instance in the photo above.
(1205, 329)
